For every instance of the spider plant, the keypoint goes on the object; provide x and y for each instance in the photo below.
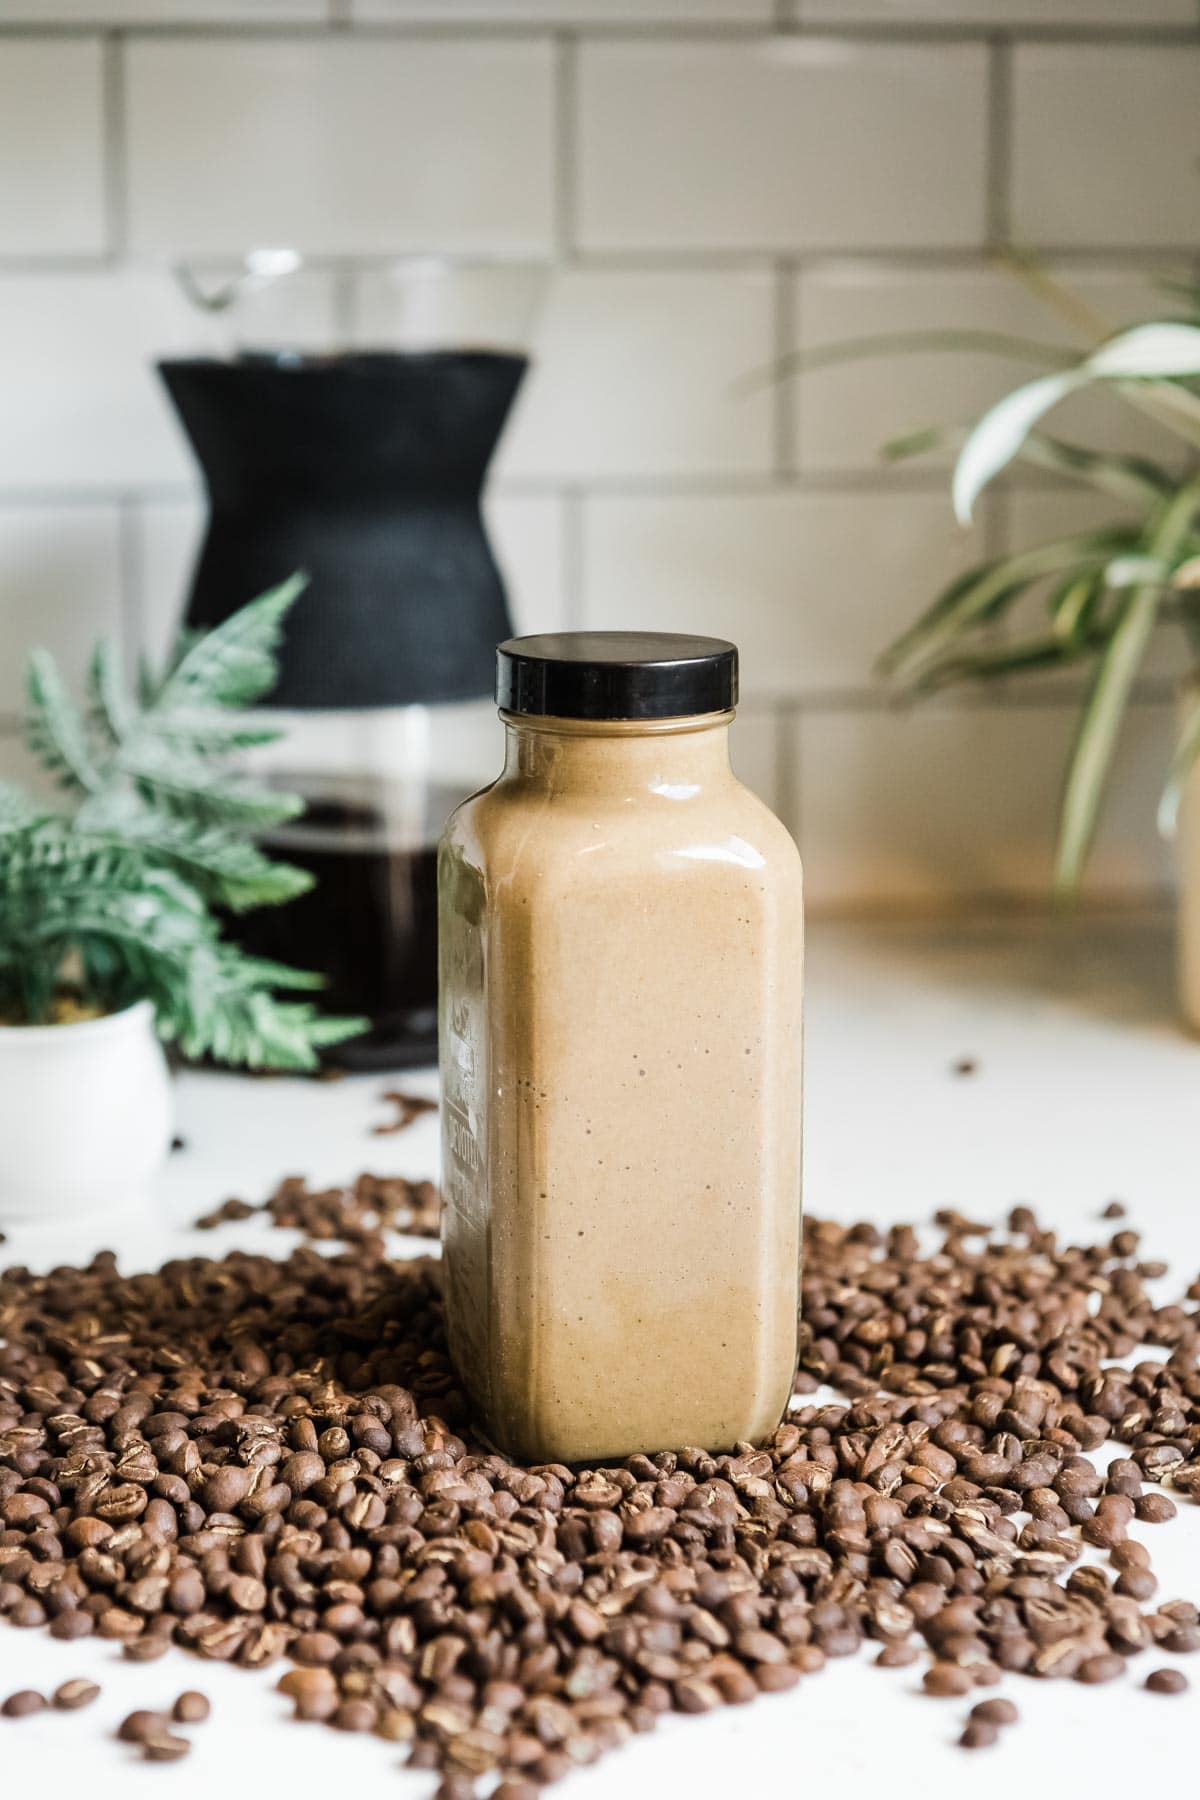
(1107, 588)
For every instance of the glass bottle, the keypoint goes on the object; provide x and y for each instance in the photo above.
(620, 1039)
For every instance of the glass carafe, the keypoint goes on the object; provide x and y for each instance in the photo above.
(344, 429)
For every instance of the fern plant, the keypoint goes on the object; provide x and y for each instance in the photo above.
(1104, 589)
(120, 892)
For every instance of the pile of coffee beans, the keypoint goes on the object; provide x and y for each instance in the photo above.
(261, 1460)
(358, 1214)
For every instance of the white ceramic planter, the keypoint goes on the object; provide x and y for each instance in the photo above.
(1187, 854)
(85, 1114)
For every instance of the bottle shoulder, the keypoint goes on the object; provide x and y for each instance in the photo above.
(511, 830)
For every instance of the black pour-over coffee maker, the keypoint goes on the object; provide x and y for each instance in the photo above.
(363, 466)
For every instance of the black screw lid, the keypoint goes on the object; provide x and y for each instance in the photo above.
(616, 675)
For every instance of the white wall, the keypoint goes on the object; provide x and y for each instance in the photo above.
(717, 182)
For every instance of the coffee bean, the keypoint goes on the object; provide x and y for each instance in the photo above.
(164, 1746)
(74, 1694)
(21, 1704)
(1104, 1667)
(995, 1712)
(136, 1726)
(978, 1734)
(71, 1625)
(946, 1680)
(1154, 1509)
(191, 1708)
(1167, 1681)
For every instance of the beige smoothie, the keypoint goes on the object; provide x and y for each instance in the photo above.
(620, 1018)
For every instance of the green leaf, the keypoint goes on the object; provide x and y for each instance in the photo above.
(194, 792)
(228, 870)
(1133, 478)
(999, 435)
(1148, 352)
(987, 588)
(898, 343)
(108, 706)
(1073, 606)
(54, 730)
(1136, 571)
(234, 663)
(1183, 761)
(1047, 650)
(1100, 724)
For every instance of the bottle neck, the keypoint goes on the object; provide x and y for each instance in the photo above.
(674, 758)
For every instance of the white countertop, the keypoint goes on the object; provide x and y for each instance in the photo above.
(1084, 1090)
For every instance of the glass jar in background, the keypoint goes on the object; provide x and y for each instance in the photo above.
(344, 427)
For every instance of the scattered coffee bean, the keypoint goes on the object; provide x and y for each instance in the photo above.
(996, 1712)
(357, 1215)
(163, 1746)
(978, 1734)
(408, 1107)
(191, 1708)
(946, 1680)
(21, 1704)
(136, 1726)
(1167, 1681)
(74, 1694)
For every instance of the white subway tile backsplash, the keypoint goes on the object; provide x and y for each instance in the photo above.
(780, 143)
(1011, 14)
(754, 753)
(637, 374)
(643, 480)
(60, 588)
(340, 145)
(935, 803)
(1105, 144)
(51, 148)
(845, 414)
(82, 405)
(529, 541)
(811, 586)
(165, 541)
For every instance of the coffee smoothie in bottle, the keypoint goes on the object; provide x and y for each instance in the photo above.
(620, 928)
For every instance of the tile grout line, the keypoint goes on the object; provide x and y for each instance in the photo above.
(709, 260)
(998, 167)
(928, 33)
(785, 336)
(565, 133)
(132, 584)
(572, 556)
(788, 749)
(114, 144)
